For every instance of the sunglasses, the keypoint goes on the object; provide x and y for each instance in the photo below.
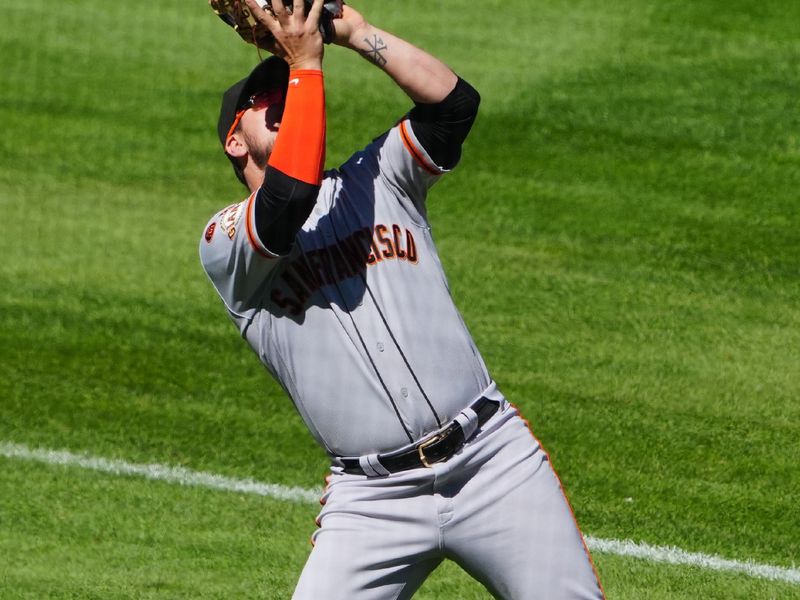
(260, 100)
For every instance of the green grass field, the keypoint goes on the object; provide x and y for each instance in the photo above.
(622, 237)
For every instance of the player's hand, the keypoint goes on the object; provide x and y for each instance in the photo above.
(347, 27)
(296, 36)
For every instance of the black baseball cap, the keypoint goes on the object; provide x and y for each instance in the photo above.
(269, 74)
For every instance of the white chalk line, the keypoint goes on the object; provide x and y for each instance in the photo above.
(181, 476)
(159, 472)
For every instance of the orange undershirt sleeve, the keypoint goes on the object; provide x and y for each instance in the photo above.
(299, 150)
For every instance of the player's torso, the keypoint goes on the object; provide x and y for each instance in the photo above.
(358, 323)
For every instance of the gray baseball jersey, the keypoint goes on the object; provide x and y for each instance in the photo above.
(358, 326)
(356, 322)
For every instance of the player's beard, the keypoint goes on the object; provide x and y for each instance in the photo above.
(257, 154)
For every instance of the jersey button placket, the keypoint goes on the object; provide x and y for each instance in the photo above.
(387, 362)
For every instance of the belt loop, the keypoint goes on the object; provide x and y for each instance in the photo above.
(371, 466)
(468, 419)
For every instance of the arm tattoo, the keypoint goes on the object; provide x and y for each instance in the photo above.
(376, 45)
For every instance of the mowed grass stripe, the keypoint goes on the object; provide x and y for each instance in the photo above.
(182, 476)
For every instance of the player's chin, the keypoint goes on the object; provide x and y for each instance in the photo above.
(259, 158)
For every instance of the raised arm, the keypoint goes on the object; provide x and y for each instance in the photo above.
(423, 77)
(289, 183)
(445, 105)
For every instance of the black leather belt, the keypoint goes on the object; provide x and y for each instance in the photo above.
(437, 448)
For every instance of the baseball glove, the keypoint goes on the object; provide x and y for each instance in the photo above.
(236, 14)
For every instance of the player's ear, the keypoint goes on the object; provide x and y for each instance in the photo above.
(235, 145)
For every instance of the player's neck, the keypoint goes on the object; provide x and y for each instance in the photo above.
(254, 176)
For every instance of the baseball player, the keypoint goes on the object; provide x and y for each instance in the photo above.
(334, 281)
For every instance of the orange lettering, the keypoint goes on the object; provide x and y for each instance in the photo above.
(380, 231)
(411, 248)
(397, 233)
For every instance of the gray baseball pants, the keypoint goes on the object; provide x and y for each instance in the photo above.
(496, 508)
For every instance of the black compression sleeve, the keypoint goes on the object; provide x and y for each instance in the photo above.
(282, 205)
(441, 128)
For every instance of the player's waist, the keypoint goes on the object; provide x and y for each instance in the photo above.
(433, 448)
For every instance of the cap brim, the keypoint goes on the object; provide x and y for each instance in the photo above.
(269, 74)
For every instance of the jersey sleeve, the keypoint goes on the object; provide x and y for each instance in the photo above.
(405, 163)
(236, 261)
